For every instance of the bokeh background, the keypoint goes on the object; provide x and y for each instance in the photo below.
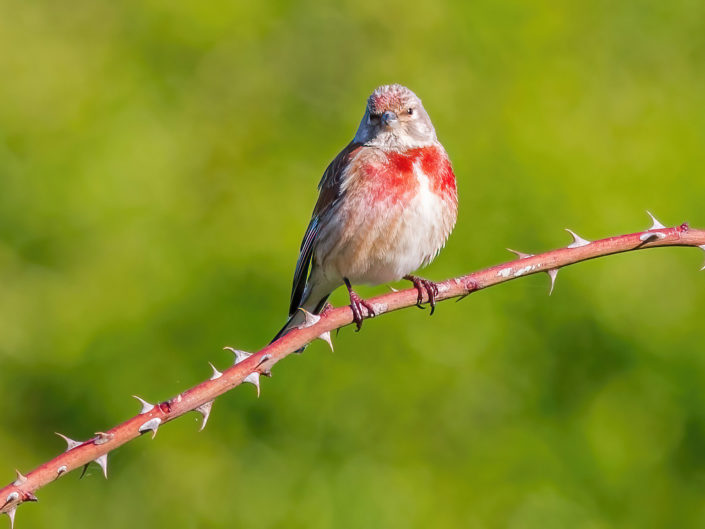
(158, 165)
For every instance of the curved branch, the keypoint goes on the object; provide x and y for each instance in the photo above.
(249, 367)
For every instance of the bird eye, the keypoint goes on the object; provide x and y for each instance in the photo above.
(410, 111)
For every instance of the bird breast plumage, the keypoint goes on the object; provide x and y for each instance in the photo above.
(398, 212)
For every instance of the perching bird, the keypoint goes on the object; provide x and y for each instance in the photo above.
(387, 204)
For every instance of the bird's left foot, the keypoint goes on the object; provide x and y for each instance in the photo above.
(356, 305)
(422, 285)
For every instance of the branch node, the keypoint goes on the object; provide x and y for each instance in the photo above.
(102, 438)
(266, 371)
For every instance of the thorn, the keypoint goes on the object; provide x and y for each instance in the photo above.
(21, 478)
(309, 319)
(702, 247)
(61, 470)
(151, 424)
(70, 442)
(216, 373)
(578, 241)
(520, 255)
(648, 236)
(11, 514)
(326, 338)
(265, 358)
(146, 406)
(655, 224)
(102, 438)
(552, 274)
(241, 356)
(205, 410)
(13, 496)
(253, 378)
(103, 462)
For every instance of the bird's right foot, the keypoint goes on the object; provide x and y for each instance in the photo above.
(357, 304)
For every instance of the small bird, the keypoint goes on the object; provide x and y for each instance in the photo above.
(386, 206)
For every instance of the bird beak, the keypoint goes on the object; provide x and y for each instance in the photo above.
(389, 119)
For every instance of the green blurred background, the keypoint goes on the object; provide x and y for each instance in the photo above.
(158, 165)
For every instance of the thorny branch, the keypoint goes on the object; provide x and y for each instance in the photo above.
(248, 367)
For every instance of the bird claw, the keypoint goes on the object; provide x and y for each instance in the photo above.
(356, 305)
(421, 285)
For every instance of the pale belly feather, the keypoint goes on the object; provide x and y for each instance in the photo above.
(384, 241)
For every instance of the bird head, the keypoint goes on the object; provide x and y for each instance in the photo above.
(395, 119)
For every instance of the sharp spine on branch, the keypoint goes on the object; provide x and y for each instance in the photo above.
(21, 478)
(151, 424)
(241, 356)
(70, 442)
(11, 515)
(702, 247)
(648, 236)
(103, 463)
(13, 496)
(655, 224)
(62, 469)
(205, 410)
(309, 319)
(312, 319)
(578, 241)
(520, 255)
(552, 273)
(216, 373)
(146, 406)
(102, 438)
(326, 338)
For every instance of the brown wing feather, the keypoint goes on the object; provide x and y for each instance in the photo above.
(329, 191)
